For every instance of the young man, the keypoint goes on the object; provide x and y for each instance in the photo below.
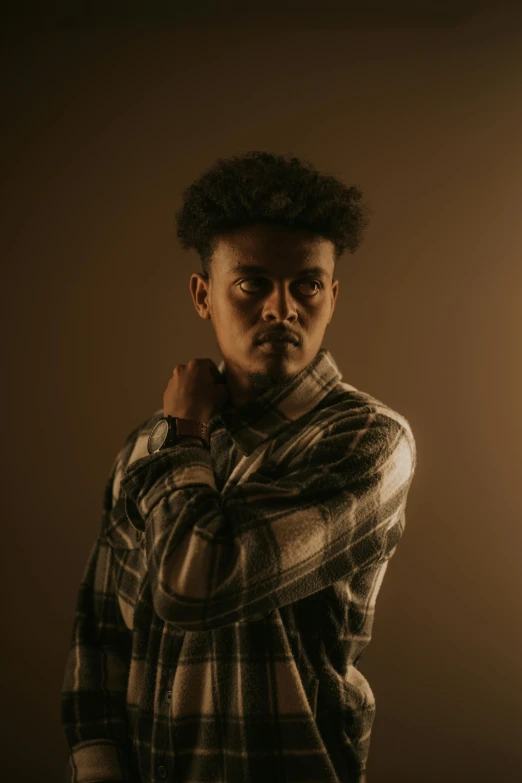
(248, 524)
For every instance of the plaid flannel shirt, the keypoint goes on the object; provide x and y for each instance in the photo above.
(229, 594)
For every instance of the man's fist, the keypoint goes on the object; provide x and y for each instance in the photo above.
(196, 390)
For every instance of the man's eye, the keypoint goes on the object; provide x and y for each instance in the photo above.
(254, 279)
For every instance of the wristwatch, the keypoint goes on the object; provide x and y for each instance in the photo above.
(170, 431)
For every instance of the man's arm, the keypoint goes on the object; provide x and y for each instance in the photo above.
(286, 532)
(93, 703)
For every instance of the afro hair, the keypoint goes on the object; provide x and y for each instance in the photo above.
(259, 187)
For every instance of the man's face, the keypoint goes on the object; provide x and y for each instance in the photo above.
(247, 305)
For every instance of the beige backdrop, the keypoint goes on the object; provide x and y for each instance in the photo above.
(103, 126)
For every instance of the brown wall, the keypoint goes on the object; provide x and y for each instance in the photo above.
(103, 126)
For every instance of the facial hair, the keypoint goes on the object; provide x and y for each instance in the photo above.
(261, 382)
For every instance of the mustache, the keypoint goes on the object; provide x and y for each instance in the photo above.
(279, 336)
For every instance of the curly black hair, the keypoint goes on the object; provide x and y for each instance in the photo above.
(259, 187)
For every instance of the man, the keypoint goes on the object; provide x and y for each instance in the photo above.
(247, 524)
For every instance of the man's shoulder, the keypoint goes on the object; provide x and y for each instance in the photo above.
(349, 408)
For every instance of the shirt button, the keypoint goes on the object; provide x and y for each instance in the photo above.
(138, 535)
(162, 772)
(168, 696)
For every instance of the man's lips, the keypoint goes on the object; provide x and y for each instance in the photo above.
(277, 346)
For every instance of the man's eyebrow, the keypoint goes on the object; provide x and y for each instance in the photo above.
(315, 271)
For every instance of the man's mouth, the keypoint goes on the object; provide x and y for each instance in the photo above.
(278, 346)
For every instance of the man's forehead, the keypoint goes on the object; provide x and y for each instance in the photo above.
(259, 249)
(303, 269)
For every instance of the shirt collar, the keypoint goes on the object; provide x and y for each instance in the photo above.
(265, 416)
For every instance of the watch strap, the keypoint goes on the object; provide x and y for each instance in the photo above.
(182, 428)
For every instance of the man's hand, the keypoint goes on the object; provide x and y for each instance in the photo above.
(196, 390)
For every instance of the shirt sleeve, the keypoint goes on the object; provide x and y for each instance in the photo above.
(93, 702)
(286, 532)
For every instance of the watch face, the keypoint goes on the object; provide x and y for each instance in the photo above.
(158, 435)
